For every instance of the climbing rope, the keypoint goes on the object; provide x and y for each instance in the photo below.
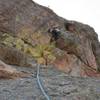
(40, 85)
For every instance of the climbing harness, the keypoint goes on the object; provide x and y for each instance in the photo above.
(40, 85)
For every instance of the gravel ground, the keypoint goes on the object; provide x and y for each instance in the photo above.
(57, 84)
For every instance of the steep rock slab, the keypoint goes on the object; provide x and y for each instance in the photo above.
(56, 84)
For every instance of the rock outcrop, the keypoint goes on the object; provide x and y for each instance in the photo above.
(24, 33)
(32, 34)
(8, 72)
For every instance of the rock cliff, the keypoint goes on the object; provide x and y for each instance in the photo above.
(24, 26)
(32, 34)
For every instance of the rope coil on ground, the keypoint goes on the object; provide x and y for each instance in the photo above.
(40, 85)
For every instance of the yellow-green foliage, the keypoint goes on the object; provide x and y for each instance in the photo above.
(11, 41)
(43, 53)
(19, 44)
(7, 40)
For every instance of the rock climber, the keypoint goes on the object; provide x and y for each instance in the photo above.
(55, 31)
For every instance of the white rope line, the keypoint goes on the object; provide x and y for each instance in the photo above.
(40, 85)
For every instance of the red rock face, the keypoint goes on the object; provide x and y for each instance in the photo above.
(91, 61)
(79, 44)
(71, 65)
